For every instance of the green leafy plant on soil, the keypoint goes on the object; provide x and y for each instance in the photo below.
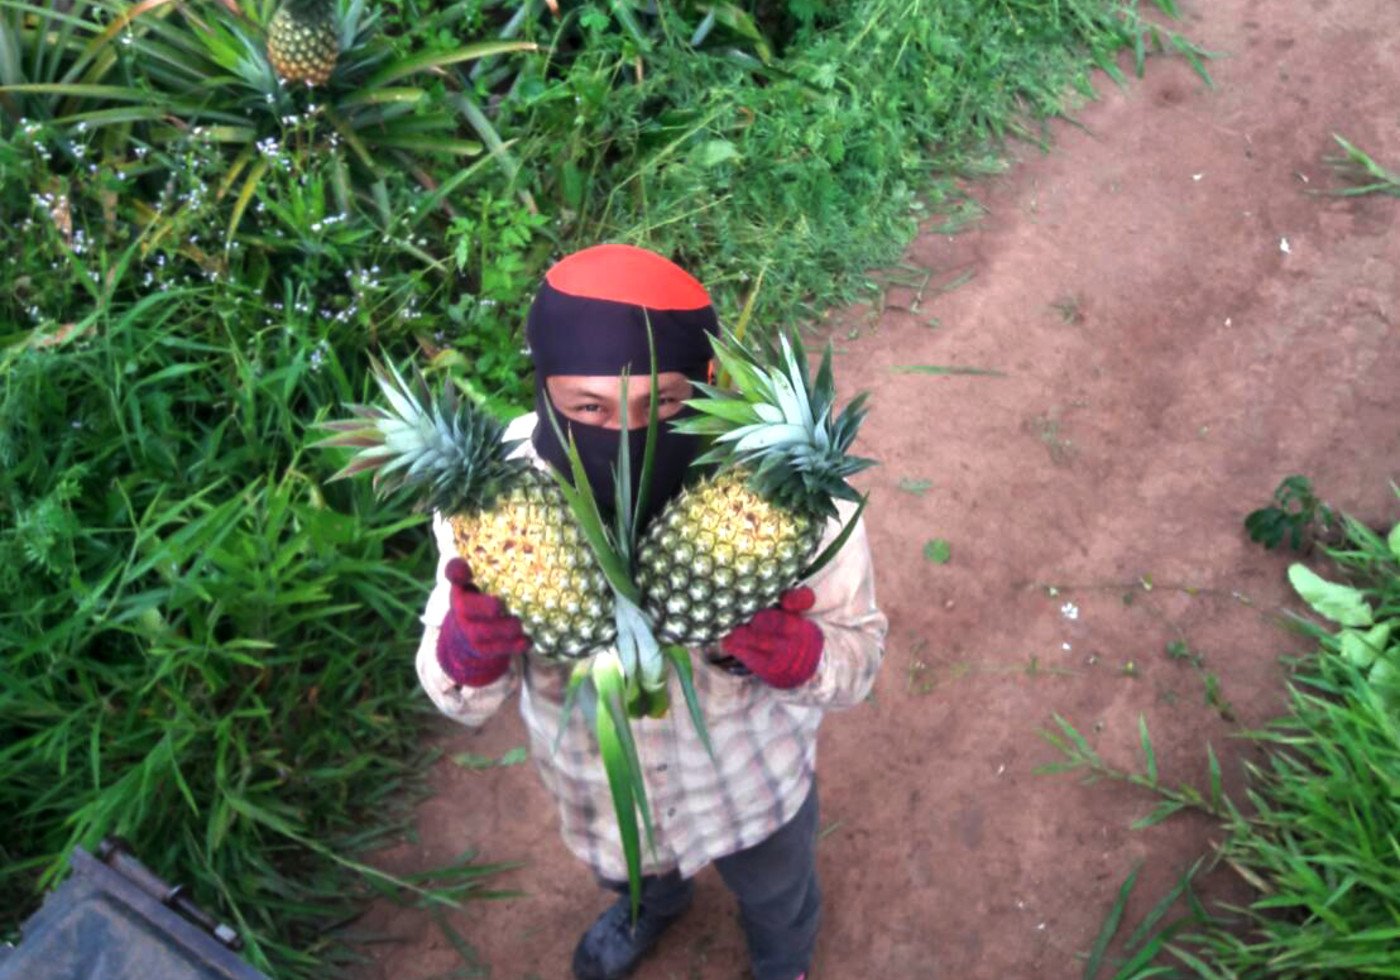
(1296, 516)
(1317, 842)
(938, 551)
(1180, 651)
(1365, 175)
(204, 648)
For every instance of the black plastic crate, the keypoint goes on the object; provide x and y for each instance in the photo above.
(114, 919)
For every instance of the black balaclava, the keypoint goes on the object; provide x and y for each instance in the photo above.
(590, 318)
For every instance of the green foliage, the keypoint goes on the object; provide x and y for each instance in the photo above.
(809, 161)
(1179, 650)
(204, 650)
(1296, 516)
(1317, 842)
(1364, 174)
(938, 551)
(158, 138)
(141, 76)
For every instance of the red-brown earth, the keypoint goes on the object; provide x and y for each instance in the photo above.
(1180, 324)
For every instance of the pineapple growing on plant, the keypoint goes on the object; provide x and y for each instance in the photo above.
(734, 542)
(303, 41)
(510, 522)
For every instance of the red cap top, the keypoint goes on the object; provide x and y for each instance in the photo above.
(627, 274)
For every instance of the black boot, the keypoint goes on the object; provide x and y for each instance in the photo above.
(613, 945)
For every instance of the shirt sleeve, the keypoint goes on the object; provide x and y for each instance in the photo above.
(853, 628)
(469, 705)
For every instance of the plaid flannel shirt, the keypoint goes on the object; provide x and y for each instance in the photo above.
(765, 740)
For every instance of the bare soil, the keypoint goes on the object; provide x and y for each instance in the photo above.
(1179, 324)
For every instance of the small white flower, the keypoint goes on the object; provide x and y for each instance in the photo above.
(1069, 610)
(1284, 247)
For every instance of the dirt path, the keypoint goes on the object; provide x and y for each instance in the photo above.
(1167, 360)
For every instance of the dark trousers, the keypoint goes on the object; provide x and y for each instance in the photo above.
(775, 882)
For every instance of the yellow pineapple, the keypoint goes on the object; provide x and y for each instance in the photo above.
(510, 522)
(734, 542)
(303, 41)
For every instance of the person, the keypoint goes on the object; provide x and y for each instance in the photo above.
(751, 810)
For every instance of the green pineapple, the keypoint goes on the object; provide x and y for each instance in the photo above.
(733, 543)
(303, 41)
(510, 522)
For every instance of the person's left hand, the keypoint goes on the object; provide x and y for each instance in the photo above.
(780, 646)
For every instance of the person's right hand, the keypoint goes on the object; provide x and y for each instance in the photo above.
(478, 637)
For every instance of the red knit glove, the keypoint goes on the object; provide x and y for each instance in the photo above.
(780, 645)
(478, 637)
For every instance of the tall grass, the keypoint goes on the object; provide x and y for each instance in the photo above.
(205, 652)
(1318, 841)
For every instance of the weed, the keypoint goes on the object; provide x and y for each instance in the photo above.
(923, 678)
(1296, 516)
(1047, 428)
(945, 370)
(1178, 650)
(1078, 756)
(1316, 849)
(937, 551)
(1365, 174)
(1070, 308)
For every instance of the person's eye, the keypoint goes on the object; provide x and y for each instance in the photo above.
(588, 408)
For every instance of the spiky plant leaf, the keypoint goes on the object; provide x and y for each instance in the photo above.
(452, 455)
(780, 423)
(606, 674)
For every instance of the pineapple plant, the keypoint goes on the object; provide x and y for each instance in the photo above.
(732, 543)
(303, 41)
(510, 522)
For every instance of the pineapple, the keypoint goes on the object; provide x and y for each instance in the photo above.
(733, 543)
(509, 521)
(303, 41)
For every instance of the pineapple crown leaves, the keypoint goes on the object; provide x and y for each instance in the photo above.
(780, 421)
(326, 9)
(451, 452)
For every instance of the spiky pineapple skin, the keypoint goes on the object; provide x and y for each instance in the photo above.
(718, 554)
(527, 550)
(303, 42)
